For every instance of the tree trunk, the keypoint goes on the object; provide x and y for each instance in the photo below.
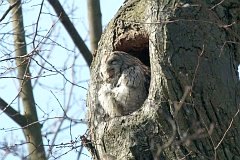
(192, 110)
(32, 130)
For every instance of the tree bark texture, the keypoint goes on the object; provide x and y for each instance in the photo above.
(192, 110)
(32, 130)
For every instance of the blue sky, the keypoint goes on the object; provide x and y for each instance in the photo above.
(52, 93)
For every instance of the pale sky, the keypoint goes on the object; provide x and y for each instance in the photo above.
(51, 90)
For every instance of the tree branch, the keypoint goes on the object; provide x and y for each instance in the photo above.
(72, 31)
(12, 113)
(95, 23)
(8, 10)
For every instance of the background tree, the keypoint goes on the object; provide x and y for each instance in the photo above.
(31, 127)
(192, 110)
(52, 77)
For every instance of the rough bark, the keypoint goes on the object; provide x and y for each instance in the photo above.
(192, 110)
(32, 130)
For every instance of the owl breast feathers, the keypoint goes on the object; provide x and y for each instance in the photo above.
(125, 83)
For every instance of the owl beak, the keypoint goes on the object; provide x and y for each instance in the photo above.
(110, 72)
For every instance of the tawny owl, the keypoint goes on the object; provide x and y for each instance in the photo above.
(125, 83)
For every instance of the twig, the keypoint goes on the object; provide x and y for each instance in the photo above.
(226, 130)
(78, 41)
(89, 145)
(8, 10)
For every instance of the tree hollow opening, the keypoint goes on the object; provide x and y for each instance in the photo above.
(136, 44)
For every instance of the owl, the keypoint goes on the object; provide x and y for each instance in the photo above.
(125, 83)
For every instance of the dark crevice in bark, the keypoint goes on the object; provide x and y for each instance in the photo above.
(208, 115)
(219, 123)
(218, 130)
(200, 145)
(104, 146)
(185, 152)
(204, 105)
(174, 87)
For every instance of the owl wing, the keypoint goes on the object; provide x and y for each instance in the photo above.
(108, 102)
(131, 91)
(131, 77)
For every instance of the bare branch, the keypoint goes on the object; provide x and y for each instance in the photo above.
(8, 10)
(230, 125)
(78, 41)
(12, 113)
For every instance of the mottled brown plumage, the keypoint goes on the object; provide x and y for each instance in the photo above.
(125, 83)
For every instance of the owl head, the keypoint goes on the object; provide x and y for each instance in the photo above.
(111, 65)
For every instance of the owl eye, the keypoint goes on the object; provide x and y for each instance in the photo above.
(113, 62)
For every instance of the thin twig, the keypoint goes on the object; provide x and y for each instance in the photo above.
(8, 10)
(73, 33)
(227, 130)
